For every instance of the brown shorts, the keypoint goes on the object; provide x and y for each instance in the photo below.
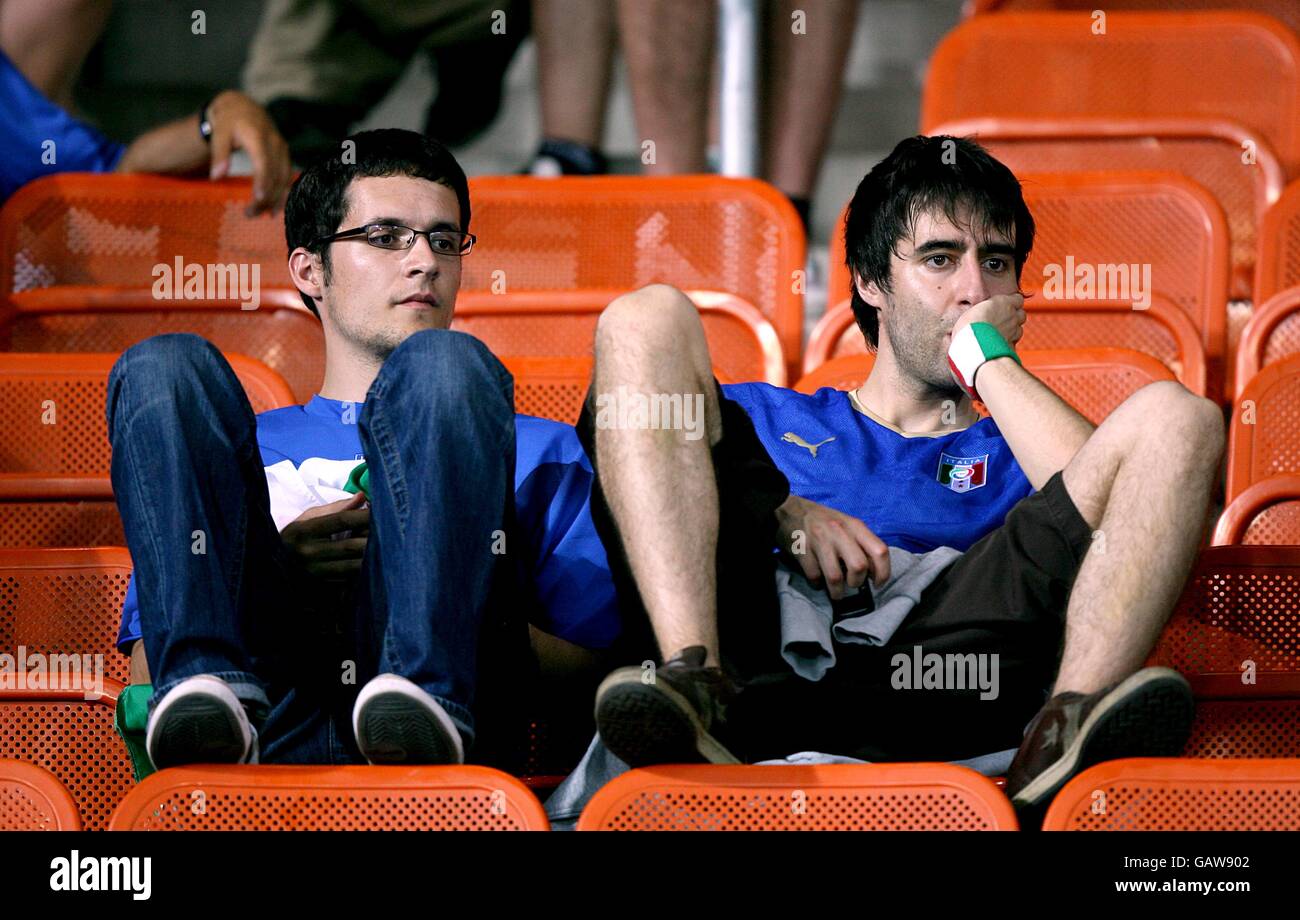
(1005, 597)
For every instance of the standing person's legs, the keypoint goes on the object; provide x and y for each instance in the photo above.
(438, 432)
(575, 47)
(668, 45)
(212, 575)
(805, 71)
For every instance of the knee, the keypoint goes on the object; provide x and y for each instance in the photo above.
(655, 313)
(1178, 420)
(180, 366)
(443, 363)
(173, 355)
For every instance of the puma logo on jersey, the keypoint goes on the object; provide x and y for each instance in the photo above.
(791, 438)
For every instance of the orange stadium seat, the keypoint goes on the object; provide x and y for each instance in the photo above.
(1286, 11)
(1162, 331)
(288, 798)
(1272, 334)
(32, 799)
(743, 344)
(615, 233)
(1209, 152)
(554, 388)
(843, 797)
(54, 467)
(1265, 513)
(1278, 265)
(551, 388)
(281, 333)
(1175, 794)
(61, 602)
(1093, 380)
(112, 230)
(1235, 636)
(1158, 219)
(1144, 65)
(1264, 438)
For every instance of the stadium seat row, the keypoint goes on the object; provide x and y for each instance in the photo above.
(1139, 794)
(1122, 259)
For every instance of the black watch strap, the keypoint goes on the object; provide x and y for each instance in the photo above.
(205, 121)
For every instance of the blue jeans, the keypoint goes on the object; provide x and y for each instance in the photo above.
(433, 602)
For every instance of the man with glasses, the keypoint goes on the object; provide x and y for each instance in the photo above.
(356, 577)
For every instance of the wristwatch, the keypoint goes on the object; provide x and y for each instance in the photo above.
(205, 121)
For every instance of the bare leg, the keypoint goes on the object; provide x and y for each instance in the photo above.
(575, 45)
(658, 483)
(49, 40)
(1142, 482)
(805, 74)
(669, 49)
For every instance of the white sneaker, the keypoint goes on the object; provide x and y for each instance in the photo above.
(396, 722)
(200, 721)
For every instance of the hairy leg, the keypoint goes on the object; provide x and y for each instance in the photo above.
(1143, 483)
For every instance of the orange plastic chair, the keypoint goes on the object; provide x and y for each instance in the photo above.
(554, 388)
(1233, 636)
(859, 797)
(1272, 334)
(616, 233)
(32, 799)
(1145, 65)
(60, 602)
(54, 465)
(551, 388)
(1285, 11)
(1264, 438)
(1278, 265)
(1175, 794)
(742, 344)
(290, 798)
(1265, 513)
(1162, 331)
(1093, 380)
(1159, 219)
(1207, 151)
(281, 333)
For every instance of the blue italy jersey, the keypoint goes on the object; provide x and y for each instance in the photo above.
(38, 138)
(916, 492)
(309, 451)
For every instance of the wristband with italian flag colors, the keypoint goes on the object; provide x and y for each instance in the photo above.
(974, 345)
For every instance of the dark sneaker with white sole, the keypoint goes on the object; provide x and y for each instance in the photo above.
(666, 715)
(200, 720)
(1149, 714)
(396, 722)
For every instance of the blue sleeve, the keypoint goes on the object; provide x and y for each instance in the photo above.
(570, 571)
(129, 631)
(37, 138)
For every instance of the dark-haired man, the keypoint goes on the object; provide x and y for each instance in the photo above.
(1020, 566)
(283, 619)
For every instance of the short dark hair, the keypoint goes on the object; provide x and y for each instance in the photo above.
(921, 173)
(318, 199)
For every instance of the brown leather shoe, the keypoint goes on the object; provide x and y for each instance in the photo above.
(666, 715)
(1147, 715)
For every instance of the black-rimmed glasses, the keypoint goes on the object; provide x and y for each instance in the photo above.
(395, 236)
